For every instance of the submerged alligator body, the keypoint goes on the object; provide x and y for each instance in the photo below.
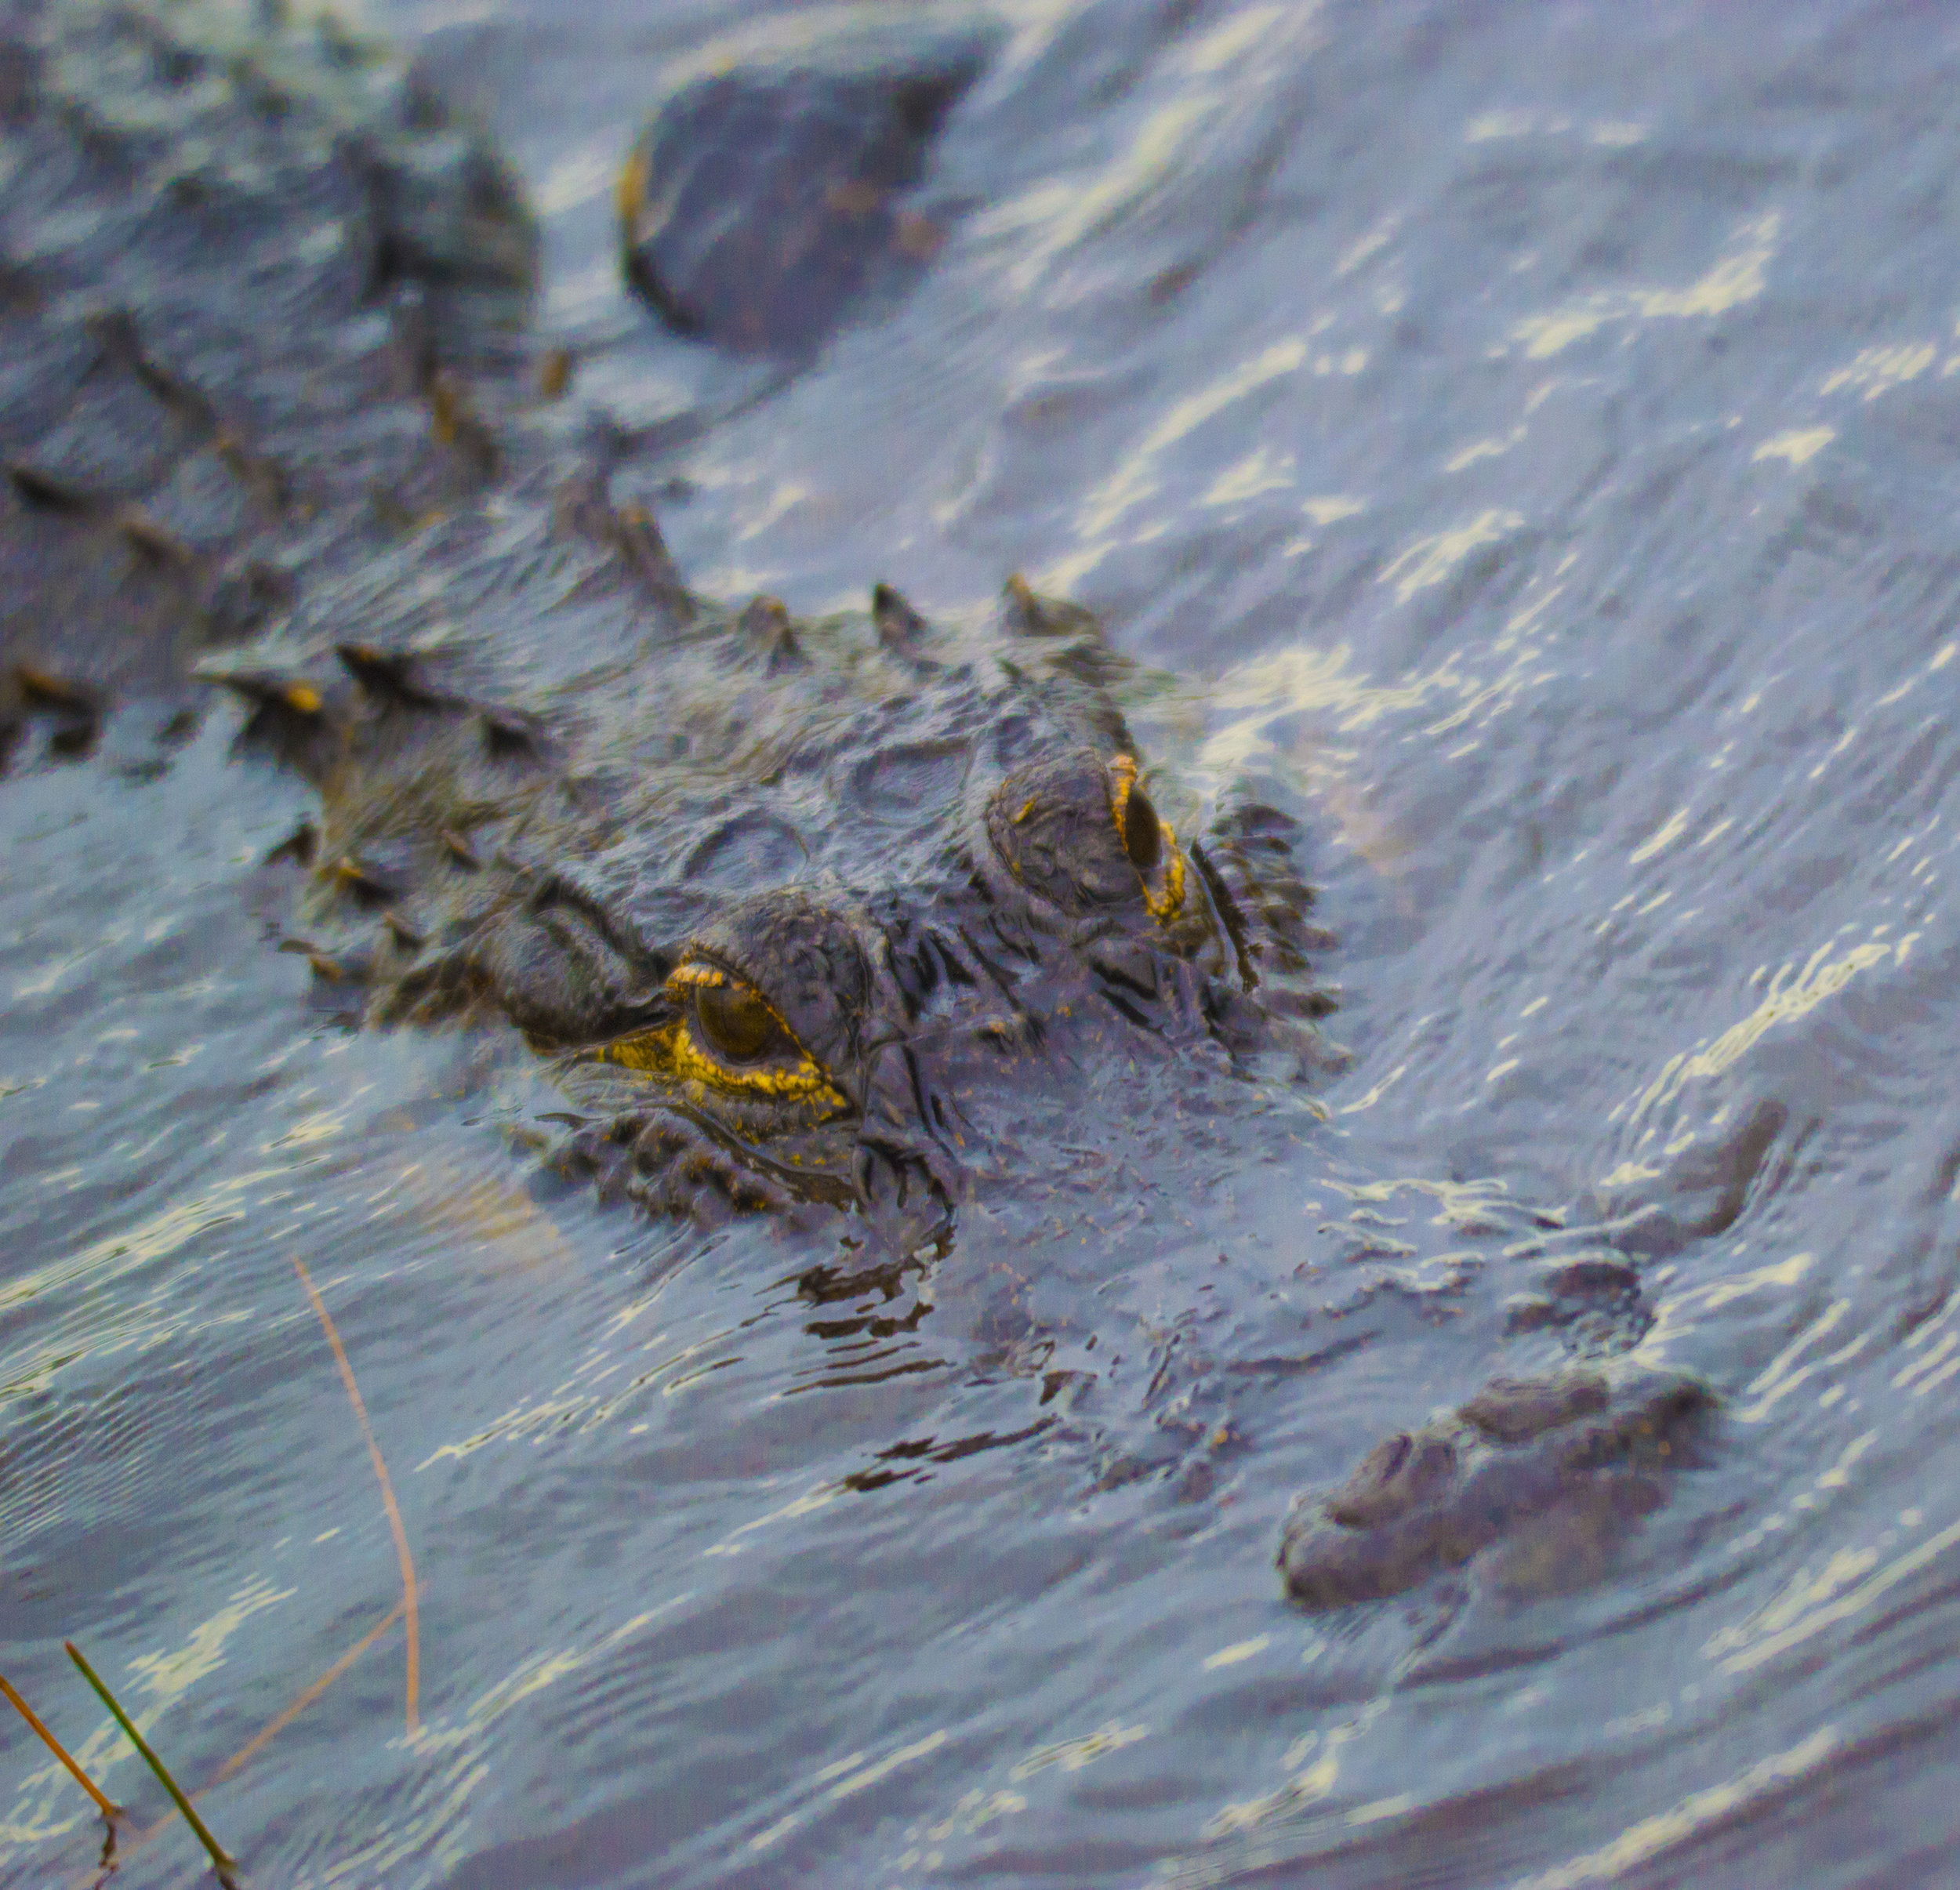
(787, 905)
(225, 243)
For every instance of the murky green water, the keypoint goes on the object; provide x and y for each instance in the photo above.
(1532, 431)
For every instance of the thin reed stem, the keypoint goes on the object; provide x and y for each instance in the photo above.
(388, 1489)
(260, 1740)
(54, 1745)
(273, 1728)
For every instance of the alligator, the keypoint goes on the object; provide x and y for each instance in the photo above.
(656, 870)
(781, 903)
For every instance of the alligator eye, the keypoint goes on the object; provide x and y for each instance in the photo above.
(723, 1033)
(1142, 831)
(738, 1025)
(1149, 843)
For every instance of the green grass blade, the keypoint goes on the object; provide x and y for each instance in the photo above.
(219, 1857)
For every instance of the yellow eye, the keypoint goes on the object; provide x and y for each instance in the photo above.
(728, 1036)
(736, 1024)
(1147, 838)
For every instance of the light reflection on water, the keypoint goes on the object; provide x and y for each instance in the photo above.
(1532, 431)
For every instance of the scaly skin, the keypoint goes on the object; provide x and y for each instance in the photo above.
(895, 850)
(227, 249)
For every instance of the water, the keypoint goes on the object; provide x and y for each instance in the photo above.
(1529, 431)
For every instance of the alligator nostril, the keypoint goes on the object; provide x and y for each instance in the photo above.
(366, 887)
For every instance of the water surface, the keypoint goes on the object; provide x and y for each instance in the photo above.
(1528, 433)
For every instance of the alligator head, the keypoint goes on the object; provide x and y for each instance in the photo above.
(784, 901)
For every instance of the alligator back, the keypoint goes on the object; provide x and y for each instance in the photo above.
(246, 263)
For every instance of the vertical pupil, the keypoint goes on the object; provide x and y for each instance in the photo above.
(1142, 836)
(737, 1023)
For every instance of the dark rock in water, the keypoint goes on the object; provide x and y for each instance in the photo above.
(765, 194)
